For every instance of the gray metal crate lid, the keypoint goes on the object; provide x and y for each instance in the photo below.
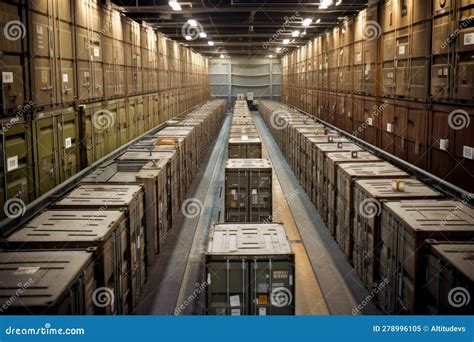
(101, 195)
(433, 215)
(372, 170)
(348, 157)
(47, 283)
(69, 225)
(248, 239)
(382, 188)
(459, 255)
(133, 156)
(339, 147)
(248, 164)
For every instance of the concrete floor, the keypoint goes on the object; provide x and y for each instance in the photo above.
(325, 282)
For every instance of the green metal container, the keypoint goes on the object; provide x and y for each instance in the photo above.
(250, 270)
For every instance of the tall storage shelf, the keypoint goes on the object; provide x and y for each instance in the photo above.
(83, 80)
(397, 75)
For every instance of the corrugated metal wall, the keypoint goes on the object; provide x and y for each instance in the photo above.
(231, 76)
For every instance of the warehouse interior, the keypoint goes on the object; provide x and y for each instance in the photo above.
(237, 157)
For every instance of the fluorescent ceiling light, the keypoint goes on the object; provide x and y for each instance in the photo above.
(295, 33)
(325, 4)
(278, 49)
(211, 43)
(286, 41)
(307, 22)
(222, 56)
(176, 7)
(188, 37)
(338, 2)
(202, 34)
(192, 22)
(318, 21)
(270, 56)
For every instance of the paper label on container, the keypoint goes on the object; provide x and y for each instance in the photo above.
(235, 312)
(44, 76)
(65, 78)
(234, 301)
(96, 52)
(469, 39)
(26, 270)
(39, 29)
(7, 77)
(359, 57)
(12, 163)
(369, 121)
(254, 192)
(401, 50)
(245, 137)
(262, 311)
(67, 142)
(86, 74)
(446, 71)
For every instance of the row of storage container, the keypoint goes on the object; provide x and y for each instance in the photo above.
(56, 53)
(433, 137)
(410, 49)
(381, 218)
(41, 150)
(102, 235)
(248, 178)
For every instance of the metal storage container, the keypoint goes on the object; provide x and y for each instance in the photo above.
(449, 278)
(319, 156)
(31, 286)
(103, 232)
(248, 190)
(245, 147)
(331, 164)
(347, 174)
(405, 226)
(250, 270)
(369, 196)
(114, 196)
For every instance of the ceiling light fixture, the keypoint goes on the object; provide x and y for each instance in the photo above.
(192, 23)
(307, 22)
(295, 33)
(338, 2)
(175, 6)
(286, 41)
(188, 37)
(211, 43)
(202, 34)
(222, 56)
(278, 49)
(325, 4)
(318, 21)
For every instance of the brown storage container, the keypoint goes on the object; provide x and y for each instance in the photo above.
(102, 232)
(113, 196)
(463, 90)
(347, 174)
(321, 150)
(405, 226)
(40, 289)
(332, 161)
(449, 278)
(248, 190)
(370, 195)
(245, 147)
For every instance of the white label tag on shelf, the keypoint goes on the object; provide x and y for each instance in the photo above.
(370, 121)
(389, 127)
(390, 75)
(68, 142)
(401, 50)
(235, 312)
(39, 29)
(359, 57)
(444, 144)
(7, 77)
(469, 39)
(96, 52)
(86, 74)
(12, 163)
(446, 71)
(234, 300)
(262, 311)
(65, 78)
